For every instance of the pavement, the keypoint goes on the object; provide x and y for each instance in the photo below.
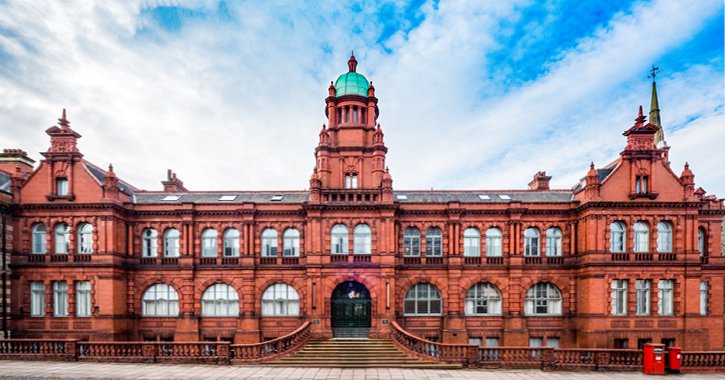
(74, 370)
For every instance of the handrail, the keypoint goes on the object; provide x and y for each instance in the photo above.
(425, 349)
(272, 349)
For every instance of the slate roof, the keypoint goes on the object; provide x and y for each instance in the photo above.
(101, 175)
(603, 174)
(212, 197)
(533, 196)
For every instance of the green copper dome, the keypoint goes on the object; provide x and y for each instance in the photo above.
(351, 83)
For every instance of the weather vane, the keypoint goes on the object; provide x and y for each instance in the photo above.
(653, 72)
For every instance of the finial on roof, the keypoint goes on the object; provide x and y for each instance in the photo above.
(352, 63)
(63, 121)
(591, 167)
(653, 73)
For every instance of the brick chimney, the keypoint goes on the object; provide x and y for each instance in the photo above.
(10, 158)
(173, 184)
(540, 182)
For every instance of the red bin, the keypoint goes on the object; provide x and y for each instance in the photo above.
(674, 356)
(654, 359)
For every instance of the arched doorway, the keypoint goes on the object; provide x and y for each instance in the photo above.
(350, 311)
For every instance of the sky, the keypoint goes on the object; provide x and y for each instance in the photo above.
(473, 95)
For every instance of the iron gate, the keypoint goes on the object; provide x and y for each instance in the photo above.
(351, 309)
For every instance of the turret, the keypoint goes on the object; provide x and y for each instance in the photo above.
(62, 158)
(592, 183)
(687, 179)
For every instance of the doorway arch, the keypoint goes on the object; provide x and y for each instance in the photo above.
(350, 310)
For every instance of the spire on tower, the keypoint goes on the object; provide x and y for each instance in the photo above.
(654, 109)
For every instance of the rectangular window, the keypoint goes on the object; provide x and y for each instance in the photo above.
(492, 342)
(354, 181)
(62, 185)
(642, 341)
(37, 299)
(531, 246)
(619, 297)
(83, 298)
(552, 342)
(536, 342)
(668, 342)
(642, 292)
(703, 297)
(620, 343)
(60, 298)
(476, 341)
(348, 181)
(665, 295)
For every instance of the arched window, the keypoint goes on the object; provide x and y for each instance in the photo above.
(553, 242)
(471, 242)
(280, 300)
(39, 232)
(269, 242)
(149, 245)
(362, 239)
(423, 299)
(701, 241)
(483, 299)
(85, 238)
(493, 242)
(231, 242)
(664, 237)
(411, 242)
(617, 237)
(291, 242)
(61, 238)
(160, 300)
(641, 237)
(208, 242)
(220, 300)
(433, 242)
(171, 243)
(543, 299)
(338, 240)
(531, 242)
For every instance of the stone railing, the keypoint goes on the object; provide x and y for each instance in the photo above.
(703, 361)
(272, 349)
(576, 359)
(31, 349)
(155, 352)
(465, 354)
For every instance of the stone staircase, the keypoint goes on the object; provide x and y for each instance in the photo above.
(355, 353)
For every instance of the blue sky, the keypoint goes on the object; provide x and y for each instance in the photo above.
(472, 95)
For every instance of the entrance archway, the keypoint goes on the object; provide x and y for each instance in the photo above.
(350, 310)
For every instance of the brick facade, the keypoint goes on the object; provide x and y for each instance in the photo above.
(568, 271)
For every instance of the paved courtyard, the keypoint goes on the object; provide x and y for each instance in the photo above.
(75, 370)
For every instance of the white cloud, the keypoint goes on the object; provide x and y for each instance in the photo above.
(238, 105)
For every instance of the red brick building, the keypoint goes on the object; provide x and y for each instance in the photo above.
(629, 255)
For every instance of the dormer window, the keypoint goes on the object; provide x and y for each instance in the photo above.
(62, 186)
(351, 181)
(641, 185)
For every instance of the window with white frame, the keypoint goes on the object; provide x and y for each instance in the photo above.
(536, 342)
(291, 242)
(85, 238)
(83, 298)
(37, 299)
(160, 300)
(280, 300)
(220, 300)
(362, 239)
(269, 242)
(641, 289)
(553, 242)
(60, 298)
(531, 242)
(423, 299)
(351, 181)
(471, 242)
(476, 341)
(703, 297)
(62, 186)
(492, 342)
(209, 242)
(665, 303)
(339, 240)
(149, 238)
(62, 241)
(39, 239)
(701, 241)
(411, 242)
(171, 242)
(619, 297)
(664, 237)
(231, 242)
(543, 299)
(552, 342)
(493, 242)
(483, 298)
(617, 237)
(433, 242)
(641, 237)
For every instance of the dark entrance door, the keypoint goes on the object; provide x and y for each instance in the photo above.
(350, 310)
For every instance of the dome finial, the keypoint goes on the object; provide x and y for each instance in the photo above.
(352, 63)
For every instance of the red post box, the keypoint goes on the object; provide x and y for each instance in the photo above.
(654, 359)
(674, 356)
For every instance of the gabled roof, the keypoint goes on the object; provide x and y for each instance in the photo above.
(100, 175)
